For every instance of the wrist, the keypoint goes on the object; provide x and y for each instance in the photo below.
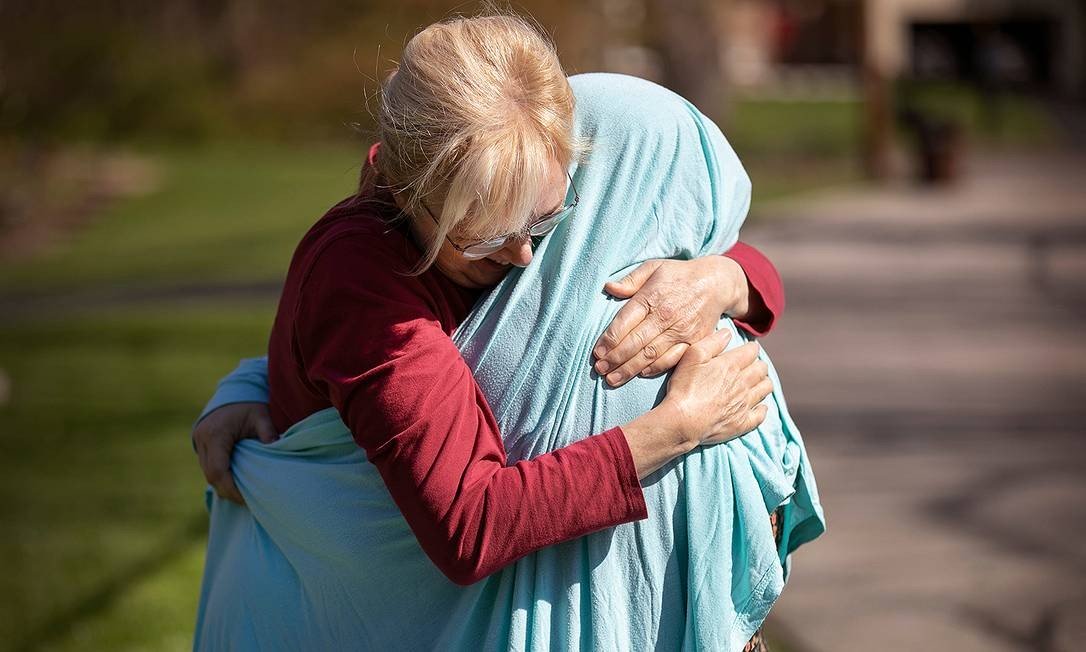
(669, 418)
(657, 437)
(733, 288)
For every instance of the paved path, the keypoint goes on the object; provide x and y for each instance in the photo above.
(934, 353)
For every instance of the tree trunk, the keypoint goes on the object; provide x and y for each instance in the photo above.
(684, 33)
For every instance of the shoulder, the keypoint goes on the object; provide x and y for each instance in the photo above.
(354, 240)
(610, 100)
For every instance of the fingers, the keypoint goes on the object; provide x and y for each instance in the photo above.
(760, 392)
(711, 346)
(741, 357)
(754, 372)
(706, 348)
(755, 377)
(628, 317)
(631, 314)
(649, 339)
(216, 435)
(651, 352)
(628, 285)
(666, 361)
(214, 457)
(262, 426)
(217, 472)
(228, 490)
(201, 454)
(758, 375)
(755, 417)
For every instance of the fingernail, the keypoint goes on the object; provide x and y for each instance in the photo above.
(602, 367)
(614, 379)
(599, 351)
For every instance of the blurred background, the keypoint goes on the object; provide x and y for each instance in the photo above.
(919, 179)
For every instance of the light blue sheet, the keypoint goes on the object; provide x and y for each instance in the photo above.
(322, 558)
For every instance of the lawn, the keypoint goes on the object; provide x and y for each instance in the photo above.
(103, 518)
(228, 213)
(101, 486)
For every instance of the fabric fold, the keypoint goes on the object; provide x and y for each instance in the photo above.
(322, 559)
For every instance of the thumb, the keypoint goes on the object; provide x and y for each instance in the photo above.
(628, 285)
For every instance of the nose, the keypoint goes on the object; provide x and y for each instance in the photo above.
(520, 252)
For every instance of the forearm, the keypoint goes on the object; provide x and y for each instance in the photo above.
(475, 515)
(494, 514)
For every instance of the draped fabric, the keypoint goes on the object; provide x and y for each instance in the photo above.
(322, 559)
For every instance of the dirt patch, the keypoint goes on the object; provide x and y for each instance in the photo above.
(47, 195)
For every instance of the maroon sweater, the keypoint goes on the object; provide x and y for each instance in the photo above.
(355, 333)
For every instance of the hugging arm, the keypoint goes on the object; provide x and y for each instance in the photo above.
(759, 290)
(415, 408)
(378, 350)
(238, 409)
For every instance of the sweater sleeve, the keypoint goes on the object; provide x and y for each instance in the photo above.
(247, 383)
(373, 343)
(766, 289)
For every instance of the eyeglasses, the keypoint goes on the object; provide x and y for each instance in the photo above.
(539, 228)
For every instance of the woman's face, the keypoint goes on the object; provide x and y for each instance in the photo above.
(486, 272)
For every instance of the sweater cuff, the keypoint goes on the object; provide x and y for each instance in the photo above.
(766, 292)
(626, 478)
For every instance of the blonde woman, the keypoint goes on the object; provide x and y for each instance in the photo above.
(390, 448)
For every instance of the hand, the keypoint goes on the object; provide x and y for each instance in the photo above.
(673, 303)
(217, 434)
(716, 394)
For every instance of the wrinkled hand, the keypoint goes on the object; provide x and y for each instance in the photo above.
(673, 304)
(217, 434)
(718, 395)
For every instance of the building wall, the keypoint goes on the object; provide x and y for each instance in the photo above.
(887, 30)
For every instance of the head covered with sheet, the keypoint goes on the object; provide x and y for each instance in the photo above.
(322, 556)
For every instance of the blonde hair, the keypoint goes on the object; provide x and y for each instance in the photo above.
(471, 120)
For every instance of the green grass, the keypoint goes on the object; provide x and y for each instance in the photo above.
(822, 130)
(795, 130)
(154, 614)
(224, 213)
(989, 121)
(96, 465)
(792, 147)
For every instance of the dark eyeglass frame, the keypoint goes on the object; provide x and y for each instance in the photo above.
(539, 228)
